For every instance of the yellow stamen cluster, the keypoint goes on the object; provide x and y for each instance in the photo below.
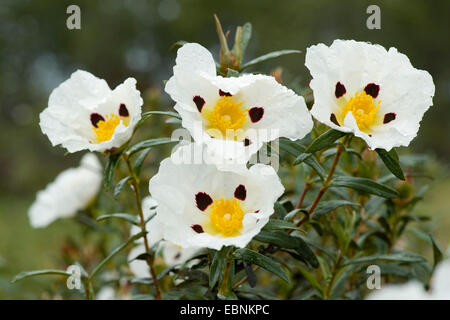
(226, 217)
(105, 129)
(364, 110)
(227, 114)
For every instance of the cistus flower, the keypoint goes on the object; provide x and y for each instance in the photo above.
(365, 89)
(211, 207)
(170, 253)
(84, 113)
(233, 116)
(414, 290)
(73, 190)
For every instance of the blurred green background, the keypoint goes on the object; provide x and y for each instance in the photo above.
(122, 38)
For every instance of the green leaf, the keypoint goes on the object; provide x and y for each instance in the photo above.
(292, 147)
(264, 262)
(324, 140)
(276, 224)
(119, 186)
(140, 161)
(148, 114)
(328, 206)
(251, 276)
(147, 144)
(232, 73)
(28, 274)
(437, 252)
(218, 265)
(268, 56)
(109, 170)
(284, 240)
(364, 185)
(311, 161)
(397, 257)
(280, 210)
(124, 216)
(311, 279)
(391, 161)
(113, 253)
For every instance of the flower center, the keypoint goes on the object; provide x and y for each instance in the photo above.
(364, 110)
(105, 128)
(227, 114)
(226, 216)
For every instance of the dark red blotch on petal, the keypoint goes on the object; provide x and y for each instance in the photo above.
(256, 113)
(247, 142)
(203, 200)
(372, 89)
(123, 111)
(95, 118)
(224, 93)
(197, 228)
(199, 102)
(240, 192)
(334, 119)
(388, 117)
(340, 90)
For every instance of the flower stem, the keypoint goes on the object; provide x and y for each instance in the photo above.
(339, 149)
(149, 258)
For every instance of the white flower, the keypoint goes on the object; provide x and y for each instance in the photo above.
(72, 190)
(84, 113)
(362, 88)
(202, 206)
(171, 253)
(414, 290)
(233, 116)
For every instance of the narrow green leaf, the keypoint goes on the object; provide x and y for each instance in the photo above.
(147, 144)
(218, 265)
(311, 161)
(276, 224)
(280, 210)
(268, 56)
(397, 257)
(292, 147)
(364, 185)
(140, 161)
(124, 216)
(311, 279)
(283, 240)
(28, 274)
(251, 276)
(390, 159)
(324, 140)
(119, 186)
(109, 170)
(328, 206)
(264, 262)
(437, 252)
(148, 114)
(113, 253)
